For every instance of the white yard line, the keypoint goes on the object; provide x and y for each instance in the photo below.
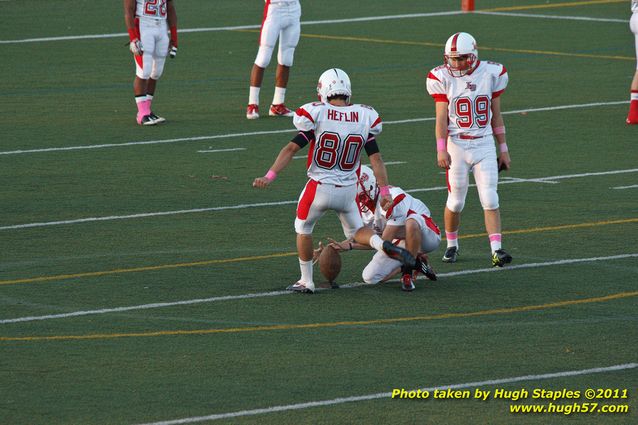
(567, 18)
(238, 27)
(221, 150)
(277, 293)
(388, 395)
(268, 132)
(279, 203)
(633, 186)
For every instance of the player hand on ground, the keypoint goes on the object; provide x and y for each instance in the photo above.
(135, 47)
(261, 182)
(443, 159)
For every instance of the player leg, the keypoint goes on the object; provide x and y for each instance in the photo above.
(422, 236)
(632, 117)
(380, 268)
(313, 203)
(486, 177)
(288, 40)
(267, 38)
(159, 60)
(143, 64)
(458, 182)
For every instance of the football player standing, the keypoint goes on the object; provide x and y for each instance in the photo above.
(281, 21)
(468, 118)
(148, 23)
(337, 131)
(632, 118)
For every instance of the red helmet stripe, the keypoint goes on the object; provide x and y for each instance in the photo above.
(456, 37)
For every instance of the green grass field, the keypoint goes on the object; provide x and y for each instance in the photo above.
(142, 280)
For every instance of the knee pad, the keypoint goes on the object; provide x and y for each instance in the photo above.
(158, 68)
(263, 55)
(286, 55)
(455, 202)
(489, 199)
(369, 276)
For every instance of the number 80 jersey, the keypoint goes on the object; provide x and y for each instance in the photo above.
(340, 133)
(469, 97)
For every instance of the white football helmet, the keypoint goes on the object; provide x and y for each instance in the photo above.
(368, 191)
(333, 82)
(461, 44)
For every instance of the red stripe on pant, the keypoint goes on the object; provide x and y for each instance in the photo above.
(303, 207)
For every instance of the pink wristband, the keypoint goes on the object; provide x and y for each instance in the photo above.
(503, 147)
(384, 190)
(270, 175)
(498, 130)
(440, 144)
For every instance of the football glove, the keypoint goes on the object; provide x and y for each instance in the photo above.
(135, 47)
(172, 52)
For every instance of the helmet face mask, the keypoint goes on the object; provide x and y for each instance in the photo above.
(333, 82)
(368, 191)
(461, 54)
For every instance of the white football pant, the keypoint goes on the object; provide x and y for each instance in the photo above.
(318, 198)
(478, 156)
(283, 22)
(155, 40)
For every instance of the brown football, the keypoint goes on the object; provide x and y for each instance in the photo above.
(330, 263)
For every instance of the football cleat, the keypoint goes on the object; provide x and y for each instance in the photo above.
(451, 254)
(280, 111)
(252, 112)
(407, 284)
(424, 267)
(407, 260)
(304, 288)
(146, 120)
(156, 118)
(500, 258)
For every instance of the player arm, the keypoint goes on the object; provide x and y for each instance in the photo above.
(171, 19)
(440, 132)
(381, 174)
(498, 129)
(282, 161)
(129, 16)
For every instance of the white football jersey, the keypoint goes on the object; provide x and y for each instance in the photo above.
(469, 97)
(154, 9)
(340, 134)
(403, 204)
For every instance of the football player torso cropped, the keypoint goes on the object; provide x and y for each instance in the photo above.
(469, 96)
(340, 133)
(154, 9)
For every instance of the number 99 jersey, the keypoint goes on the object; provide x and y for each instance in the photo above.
(469, 97)
(340, 133)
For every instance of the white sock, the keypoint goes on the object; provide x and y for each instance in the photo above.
(253, 96)
(280, 96)
(376, 242)
(634, 95)
(306, 271)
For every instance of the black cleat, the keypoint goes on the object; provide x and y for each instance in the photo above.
(157, 119)
(500, 258)
(407, 260)
(451, 254)
(424, 267)
(147, 120)
(304, 288)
